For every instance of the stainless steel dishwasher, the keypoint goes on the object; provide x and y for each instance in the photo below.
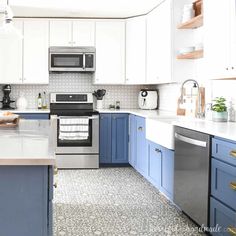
(191, 174)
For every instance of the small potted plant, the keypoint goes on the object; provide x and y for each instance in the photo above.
(219, 110)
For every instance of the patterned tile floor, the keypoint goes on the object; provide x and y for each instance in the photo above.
(114, 201)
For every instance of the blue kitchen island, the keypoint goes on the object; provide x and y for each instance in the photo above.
(26, 179)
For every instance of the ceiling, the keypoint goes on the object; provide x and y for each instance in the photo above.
(82, 8)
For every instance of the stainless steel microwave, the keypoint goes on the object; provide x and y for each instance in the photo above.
(71, 59)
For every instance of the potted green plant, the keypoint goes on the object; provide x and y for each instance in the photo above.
(219, 110)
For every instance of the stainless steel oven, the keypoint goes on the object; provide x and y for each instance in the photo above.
(76, 130)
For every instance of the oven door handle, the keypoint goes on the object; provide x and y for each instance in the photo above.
(69, 117)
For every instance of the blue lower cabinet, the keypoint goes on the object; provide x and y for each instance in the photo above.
(222, 219)
(132, 141)
(120, 138)
(167, 180)
(223, 182)
(25, 209)
(114, 138)
(142, 154)
(161, 168)
(105, 139)
(34, 116)
(154, 164)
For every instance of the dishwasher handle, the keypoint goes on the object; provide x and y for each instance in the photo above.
(190, 140)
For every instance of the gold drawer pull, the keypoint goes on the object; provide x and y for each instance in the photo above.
(231, 230)
(233, 153)
(233, 185)
(140, 128)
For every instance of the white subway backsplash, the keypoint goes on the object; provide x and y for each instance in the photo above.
(168, 96)
(73, 82)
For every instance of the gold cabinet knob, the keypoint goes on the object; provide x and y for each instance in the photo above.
(55, 170)
(55, 185)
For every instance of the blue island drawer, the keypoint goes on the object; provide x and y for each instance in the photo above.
(222, 219)
(34, 116)
(224, 150)
(223, 182)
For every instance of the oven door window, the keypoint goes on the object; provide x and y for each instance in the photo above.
(74, 135)
(67, 60)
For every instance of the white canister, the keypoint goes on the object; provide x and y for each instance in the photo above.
(99, 104)
(21, 102)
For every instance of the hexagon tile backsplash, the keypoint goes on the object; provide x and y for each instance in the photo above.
(73, 82)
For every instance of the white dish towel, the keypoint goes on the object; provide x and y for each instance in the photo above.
(73, 128)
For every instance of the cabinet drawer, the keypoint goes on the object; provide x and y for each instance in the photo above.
(222, 218)
(224, 150)
(223, 182)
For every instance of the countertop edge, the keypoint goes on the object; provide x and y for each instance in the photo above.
(27, 162)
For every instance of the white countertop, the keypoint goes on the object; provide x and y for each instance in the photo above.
(29, 110)
(225, 130)
(139, 112)
(28, 144)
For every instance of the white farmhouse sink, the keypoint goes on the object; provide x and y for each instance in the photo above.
(161, 131)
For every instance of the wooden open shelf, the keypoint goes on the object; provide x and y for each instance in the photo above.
(195, 22)
(191, 55)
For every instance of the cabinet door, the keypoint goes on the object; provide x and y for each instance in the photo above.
(217, 39)
(136, 50)
(83, 33)
(105, 139)
(110, 52)
(11, 57)
(232, 10)
(223, 182)
(154, 164)
(142, 158)
(61, 33)
(132, 141)
(24, 201)
(35, 60)
(159, 44)
(120, 138)
(222, 218)
(167, 179)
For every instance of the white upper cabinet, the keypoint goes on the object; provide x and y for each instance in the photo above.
(83, 33)
(35, 59)
(26, 60)
(110, 52)
(61, 33)
(72, 33)
(136, 50)
(220, 39)
(11, 58)
(159, 44)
